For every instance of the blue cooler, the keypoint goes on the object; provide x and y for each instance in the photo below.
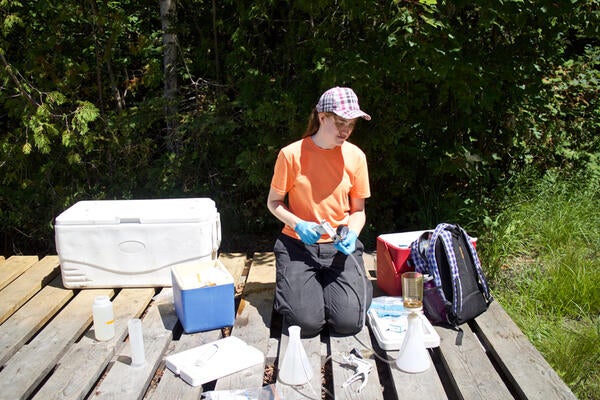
(203, 293)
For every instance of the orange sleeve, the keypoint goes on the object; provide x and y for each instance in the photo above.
(282, 174)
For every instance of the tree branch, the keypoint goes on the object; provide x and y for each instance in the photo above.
(16, 80)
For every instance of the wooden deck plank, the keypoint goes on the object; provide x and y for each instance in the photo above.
(253, 320)
(69, 380)
(235, 264)
(122, 381)
(26, 285)
(530, 373)
(470, 367)
(28, 320)
(425, 385)
(13, 267)
(342, 346)
(28, 367)
(370, 260)
(52, 365)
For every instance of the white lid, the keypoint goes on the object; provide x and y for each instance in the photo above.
(111, 212)
(101, 300)
(214, 360)
(402, 239)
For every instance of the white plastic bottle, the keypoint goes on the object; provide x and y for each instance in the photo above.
(104, 320)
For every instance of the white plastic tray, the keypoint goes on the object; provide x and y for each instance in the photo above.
(214, 360)
(388, 320)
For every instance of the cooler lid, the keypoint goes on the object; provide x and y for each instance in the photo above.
(402, 239)
(214, 360)
(156, 211)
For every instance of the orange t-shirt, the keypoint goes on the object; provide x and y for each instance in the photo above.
(319, 182)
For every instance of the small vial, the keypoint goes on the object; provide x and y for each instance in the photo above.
(104, 319)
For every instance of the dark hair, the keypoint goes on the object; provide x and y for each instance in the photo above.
(313, 123)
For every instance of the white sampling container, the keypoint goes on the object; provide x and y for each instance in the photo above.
(134, 243)
(104, 318)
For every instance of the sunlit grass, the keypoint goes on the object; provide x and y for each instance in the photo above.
(543, 259)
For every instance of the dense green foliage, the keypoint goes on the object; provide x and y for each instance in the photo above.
(544, 260)
(462, 96)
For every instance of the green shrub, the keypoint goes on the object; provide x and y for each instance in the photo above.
(544, 261)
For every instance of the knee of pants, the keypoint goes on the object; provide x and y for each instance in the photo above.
(347, 326)
(309, 325)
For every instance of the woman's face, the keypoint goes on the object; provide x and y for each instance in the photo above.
(336, 129)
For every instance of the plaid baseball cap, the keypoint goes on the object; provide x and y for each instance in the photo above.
(343, 102)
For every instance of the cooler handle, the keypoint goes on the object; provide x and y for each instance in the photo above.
(216, 236)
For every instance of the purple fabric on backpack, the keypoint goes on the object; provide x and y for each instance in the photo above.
(434, 306)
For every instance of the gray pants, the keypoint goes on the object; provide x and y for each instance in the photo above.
(317, 285)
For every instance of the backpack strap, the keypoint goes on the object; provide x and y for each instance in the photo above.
(418, 256)
(446, 238)
(481, 277)
(430, 254)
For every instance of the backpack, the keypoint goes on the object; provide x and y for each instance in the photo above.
(455, 290)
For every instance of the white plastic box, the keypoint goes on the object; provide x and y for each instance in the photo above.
(389, 322)
(214, 360)
(134, 243)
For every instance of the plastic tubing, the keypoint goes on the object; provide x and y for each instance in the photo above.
(364, 302)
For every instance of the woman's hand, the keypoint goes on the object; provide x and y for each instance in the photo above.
(308, 231)
(348, 244)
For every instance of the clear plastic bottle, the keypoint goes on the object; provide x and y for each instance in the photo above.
(104, 319)
(295, 368)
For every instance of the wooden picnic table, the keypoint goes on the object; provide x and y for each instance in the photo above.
(48, 350)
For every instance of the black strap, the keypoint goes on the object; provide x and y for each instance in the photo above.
(459, 336)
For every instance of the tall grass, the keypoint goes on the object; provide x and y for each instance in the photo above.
(542, 255)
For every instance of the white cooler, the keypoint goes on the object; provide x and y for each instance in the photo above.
(134, 243)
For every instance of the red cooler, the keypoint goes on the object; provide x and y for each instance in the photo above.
(393, 252)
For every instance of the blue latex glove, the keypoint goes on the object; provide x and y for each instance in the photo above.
(308, 231)
(348, 244)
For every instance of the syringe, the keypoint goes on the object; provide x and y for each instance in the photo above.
(336, 235)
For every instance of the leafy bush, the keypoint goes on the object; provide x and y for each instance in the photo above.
(462, 95)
